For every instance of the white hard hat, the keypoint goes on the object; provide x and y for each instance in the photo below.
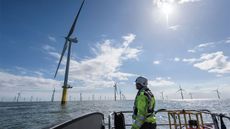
(141, 80)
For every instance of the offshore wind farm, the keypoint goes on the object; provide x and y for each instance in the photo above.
(180, 46)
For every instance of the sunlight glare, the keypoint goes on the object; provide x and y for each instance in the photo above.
(167, 8)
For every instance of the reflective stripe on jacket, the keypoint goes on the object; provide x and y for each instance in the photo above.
(143, 108)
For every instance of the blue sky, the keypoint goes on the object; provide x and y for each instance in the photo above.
(171, 42)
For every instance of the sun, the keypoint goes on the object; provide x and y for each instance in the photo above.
(167, 8)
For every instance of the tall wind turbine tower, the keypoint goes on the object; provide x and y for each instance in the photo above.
(115, 91)
(124, 98)
(181, 92)
(68, 42)
(19, 95)
(162, 95)
(218, 93)
(120, 94)
(80, 96)
(52, 98)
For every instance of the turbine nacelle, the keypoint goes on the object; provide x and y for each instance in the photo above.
(73, 40)
(68, 86)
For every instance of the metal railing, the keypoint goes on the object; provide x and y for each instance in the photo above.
(179, 119)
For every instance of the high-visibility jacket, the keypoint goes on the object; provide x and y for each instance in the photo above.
(143, 108)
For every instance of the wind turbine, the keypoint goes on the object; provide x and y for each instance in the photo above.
(120, 94)
(218, 93)
(181, 92)
(190, 95)
(68, 42)
(19, 95)
(124, 98)
(162, 95)
(80, 96)
(52, 98)
(115, 91)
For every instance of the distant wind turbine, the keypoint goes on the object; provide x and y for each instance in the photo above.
(120, 94)
(19, 95)
(123, 97)
(115, 91)
(162, 95)
(218, 93)
(181, 92)
(68, 42)
(80, 96)
(191, 97)
(52, 98)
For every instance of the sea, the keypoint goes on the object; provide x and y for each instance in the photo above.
(43, 115)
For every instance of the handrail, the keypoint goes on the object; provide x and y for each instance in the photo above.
(183, 111)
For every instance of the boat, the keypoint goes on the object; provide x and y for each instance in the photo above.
(166, 119)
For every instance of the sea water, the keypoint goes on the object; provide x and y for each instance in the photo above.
(39, 115)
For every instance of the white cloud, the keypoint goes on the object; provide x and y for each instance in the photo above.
(176, 59)
(52, 39)
(159, 3)
(227, 40)
(104, 68)
(156, 62)
(205, 44)
(209, 45)
(190, 60)
(19, 82)
(128, 39)
(187, 1)
(159, 81)
(174, 28)
(214, 62)
(201, 47)
(39, 73)
(48, 48)
(191, 51)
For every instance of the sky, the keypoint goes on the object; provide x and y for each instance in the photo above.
(170, 42)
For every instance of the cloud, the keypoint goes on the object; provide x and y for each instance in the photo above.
(159, 81)
(159, 3)
(201, 47)
(156, 62)
(187, 1)
(103, 69)
(176, 59)
(209, 45)
(48, 48)
(190, 60)
(19, 82)
(215, 62)
(227, 40)
(191, 51)
(52, 39)
(174, 28)
(205, 44)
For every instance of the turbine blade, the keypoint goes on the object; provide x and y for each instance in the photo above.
(75, 20)
(63, 52)
(178, 91)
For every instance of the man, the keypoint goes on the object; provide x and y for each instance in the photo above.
(143, 114)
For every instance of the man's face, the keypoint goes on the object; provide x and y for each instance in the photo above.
(138, 86)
